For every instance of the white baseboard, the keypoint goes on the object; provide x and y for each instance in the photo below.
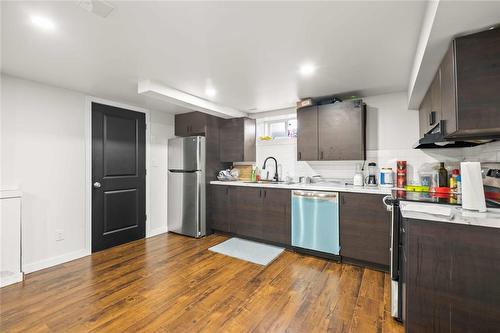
(10, 279)
(49, 262)
(156, 232)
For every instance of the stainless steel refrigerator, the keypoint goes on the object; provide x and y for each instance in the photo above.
(186, 186)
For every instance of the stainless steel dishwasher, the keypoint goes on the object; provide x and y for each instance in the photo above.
(315, 221)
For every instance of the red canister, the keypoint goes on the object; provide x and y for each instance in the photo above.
(401, 174)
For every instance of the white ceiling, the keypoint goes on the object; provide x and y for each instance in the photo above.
(249, 51)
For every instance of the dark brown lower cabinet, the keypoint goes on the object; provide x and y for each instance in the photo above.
(253, 212)
(365, 228)
(451, 277)
(276, 217)
(219, 207)
(248, 212)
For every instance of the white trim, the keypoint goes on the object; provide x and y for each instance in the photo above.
(49, 262)
(88, 162)
(156, 232)
(11, 279)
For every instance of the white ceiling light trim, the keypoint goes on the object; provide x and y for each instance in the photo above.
(210, 92)
(43, 23)
(307, 69)
(180, 98)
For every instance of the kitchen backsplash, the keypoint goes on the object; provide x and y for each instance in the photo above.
(285, 152)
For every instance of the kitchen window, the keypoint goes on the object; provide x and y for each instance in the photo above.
(278, 129)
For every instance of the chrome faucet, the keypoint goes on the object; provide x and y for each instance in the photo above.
(275, 178)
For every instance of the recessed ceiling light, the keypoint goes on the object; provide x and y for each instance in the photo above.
(307, 69)
(43, 23)
(210, 92)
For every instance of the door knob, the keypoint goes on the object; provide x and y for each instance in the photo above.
(97, 185)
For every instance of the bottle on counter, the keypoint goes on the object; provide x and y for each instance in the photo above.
(254, 173)
(386, 179)
(401, 174)
(459, 184)
(453, 179)
(442, 175)
(257, 174)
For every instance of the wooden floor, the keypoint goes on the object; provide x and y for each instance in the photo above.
(171, 283)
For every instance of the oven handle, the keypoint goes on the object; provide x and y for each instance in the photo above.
(315, 195)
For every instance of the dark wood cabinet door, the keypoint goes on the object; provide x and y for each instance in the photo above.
(451, 276)
(307, 134)
(475, 272)
(276, 216)
(341, 131)
(478, 83)
(182, 124)
(365, 228)
(219, 215)
(249, 140)
(191, 123)
(248, 213)
(231, 140)
(198, 123)
(237, 140)
(426, 279)
(448, 92)
(435, 115)
(423, 114)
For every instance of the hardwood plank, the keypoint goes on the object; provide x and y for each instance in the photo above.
(171, 283)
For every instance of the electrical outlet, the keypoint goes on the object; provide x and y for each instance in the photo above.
(59, 235)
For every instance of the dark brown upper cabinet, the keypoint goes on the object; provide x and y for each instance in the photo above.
(430, 108)
(464, 93)
(341, 131)
(424, 114)
(331, 132)
(192, 123)
(237, 140)
(307, 134)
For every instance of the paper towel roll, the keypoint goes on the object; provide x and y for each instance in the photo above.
(472, 186)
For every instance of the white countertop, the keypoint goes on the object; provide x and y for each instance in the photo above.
(331, 187)
(431, 212)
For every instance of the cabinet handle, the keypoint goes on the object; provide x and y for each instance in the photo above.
(432, 118)
(260, 193)
(187, 129)
(321, 156)
(265, 193)
(300, 155)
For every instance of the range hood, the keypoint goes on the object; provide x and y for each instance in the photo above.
(435, 138)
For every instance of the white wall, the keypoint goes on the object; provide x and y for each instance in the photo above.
(162, 129)
(391, 132)
(43, 154)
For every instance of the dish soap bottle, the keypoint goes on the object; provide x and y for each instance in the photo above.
(442, 175)
(254, 173)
